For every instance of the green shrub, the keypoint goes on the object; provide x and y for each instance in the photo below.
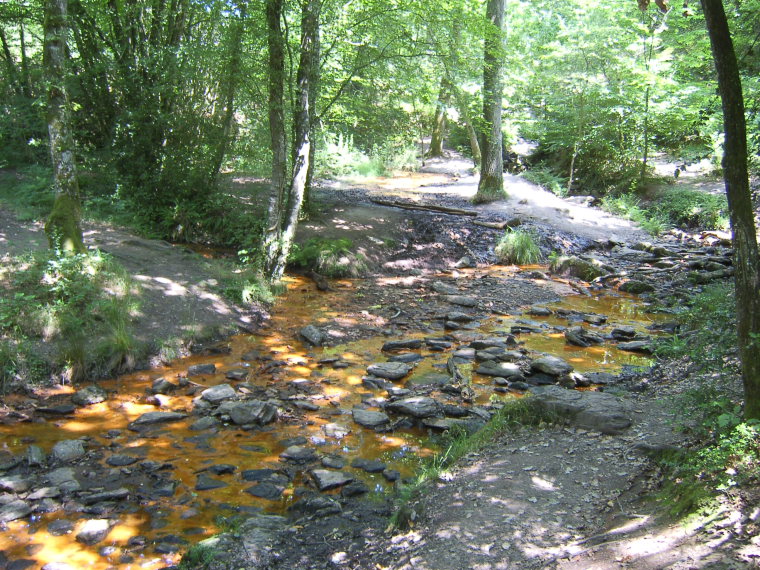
(690, 208)
(518, 247)
(630, 207)
(332, 258)
(546, 178)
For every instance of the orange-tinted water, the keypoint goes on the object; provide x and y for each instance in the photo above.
(195, 514)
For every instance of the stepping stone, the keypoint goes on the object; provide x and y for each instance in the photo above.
(93, 531)
(266, 491)
(552, 365)
(417, 406)
(299, 454)
(369, 465)
(219, 393)
(201, 369)
(394, 345)
(153, 418)
(370, 419)
(327, 479)
(389, 370)
(121, 460)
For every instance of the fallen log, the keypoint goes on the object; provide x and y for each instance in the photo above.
(425, 208)
(513, 223)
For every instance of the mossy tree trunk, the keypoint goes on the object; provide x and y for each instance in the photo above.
(63, 227)
(284, 211)
(735, 174)
(439, 122)
(491, 184)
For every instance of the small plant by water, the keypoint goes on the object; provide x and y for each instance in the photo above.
(518, 247)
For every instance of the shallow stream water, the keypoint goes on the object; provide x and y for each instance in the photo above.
(189, 515)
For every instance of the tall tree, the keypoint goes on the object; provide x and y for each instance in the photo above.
(63, 227)
(491, 184)
(285, 206)
(735, 174)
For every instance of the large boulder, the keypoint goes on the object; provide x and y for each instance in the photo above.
(586, 269)
(597, 411)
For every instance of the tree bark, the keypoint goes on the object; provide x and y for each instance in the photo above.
(491, 184)
(439, 122)
(735, 174)
(63, 227)
(277, 254)
(278, 139)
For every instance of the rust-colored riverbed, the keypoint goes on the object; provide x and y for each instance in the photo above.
(193, 515)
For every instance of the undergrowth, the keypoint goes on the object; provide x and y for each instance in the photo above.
(726, 449)
(546, 178)
(328, 257)
(76, 310)
(458, 442)
(674, 207)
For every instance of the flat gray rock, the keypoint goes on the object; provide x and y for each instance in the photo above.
(643, 346)
(252, 412)
(14, 510)
(389, 370)
(93, 531)
(461, 300)
(417, 406)
(92, 394)
(201, 369)
(369, 418)
(327, 479)
(552, 365)
(393, 345)
(312, 335)
(219, 393)
(597, 411)
(500, 369)
(14, 484)
(152, 418)
(444, 288)
(67, 450)
(299, 454)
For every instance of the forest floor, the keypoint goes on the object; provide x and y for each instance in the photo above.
(554, 497)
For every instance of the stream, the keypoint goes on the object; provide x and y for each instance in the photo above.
(166, 487)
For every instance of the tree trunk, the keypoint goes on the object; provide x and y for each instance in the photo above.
(277, 255)
(314, 86)
(439, 122)
(491, 184)
(228, 95)
(63, 227)
(735, 173)
(275, 211)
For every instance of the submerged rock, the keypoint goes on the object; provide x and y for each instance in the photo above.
(153, 418)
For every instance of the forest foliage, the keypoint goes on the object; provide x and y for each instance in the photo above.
(168, 97)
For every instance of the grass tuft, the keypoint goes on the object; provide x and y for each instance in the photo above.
(518, 247)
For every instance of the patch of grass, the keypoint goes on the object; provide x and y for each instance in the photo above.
(198, 557)
(630, 207)
(328, 257)
(518, 247)
(546, 178)
(459, 442)
(81, 307)
(688, 208)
